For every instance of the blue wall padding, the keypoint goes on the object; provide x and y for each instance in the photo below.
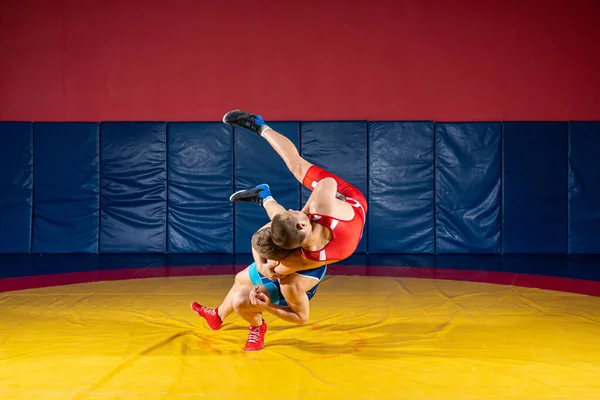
(16, 265)
(584, 187)
(200, 183)
(401, 191)
(433, 188)
(66, 188)
(255, 163)
(468, 200)
(340, 148)
(16, 182)
(535, 187)
(134, 190)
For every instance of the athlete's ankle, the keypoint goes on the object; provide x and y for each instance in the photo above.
(264, 128)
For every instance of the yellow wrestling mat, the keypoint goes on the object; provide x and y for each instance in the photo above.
(367, 338)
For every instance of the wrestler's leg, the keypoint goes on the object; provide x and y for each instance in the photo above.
(244, 308)
(215, 317)
(242, 279)
(297, 165)
(282, 145)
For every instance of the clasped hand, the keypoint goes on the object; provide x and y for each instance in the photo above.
(258, 298)
(267, 268)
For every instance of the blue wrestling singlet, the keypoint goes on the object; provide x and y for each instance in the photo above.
(273, 286)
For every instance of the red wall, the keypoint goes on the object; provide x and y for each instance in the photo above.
(193, 60)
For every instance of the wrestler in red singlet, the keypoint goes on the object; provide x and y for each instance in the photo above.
(346, 234)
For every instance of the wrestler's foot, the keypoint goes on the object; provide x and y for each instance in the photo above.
(245, 120)
(211, 316)
(256, 337)
(260, 194)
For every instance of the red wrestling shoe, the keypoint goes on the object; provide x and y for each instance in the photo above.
(211, 316)
(256, 337)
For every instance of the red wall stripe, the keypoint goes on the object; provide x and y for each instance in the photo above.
(591, 288)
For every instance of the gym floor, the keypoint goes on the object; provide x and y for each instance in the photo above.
(85, 327)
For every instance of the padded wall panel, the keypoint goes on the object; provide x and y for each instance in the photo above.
(535, 187)
(401, 187)
(584, 187)
(16, 183)
(255, 163)
(467, 179)
(13, 266)
(200, 183)
(134, 191)
(340, 148)
(66, 188)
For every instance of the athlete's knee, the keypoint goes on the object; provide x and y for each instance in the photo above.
(298, 167)
(240, 300)
(242, 278)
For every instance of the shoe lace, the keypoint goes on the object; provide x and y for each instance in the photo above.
(254, 334)
(209, 311)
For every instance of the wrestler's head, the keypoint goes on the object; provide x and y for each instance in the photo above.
(291, 229)
(263, 243)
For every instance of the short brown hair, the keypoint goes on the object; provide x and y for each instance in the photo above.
(285, 233)
(266, 247)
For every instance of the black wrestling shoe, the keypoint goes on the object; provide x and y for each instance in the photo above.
(260, 194)
(242, 119)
